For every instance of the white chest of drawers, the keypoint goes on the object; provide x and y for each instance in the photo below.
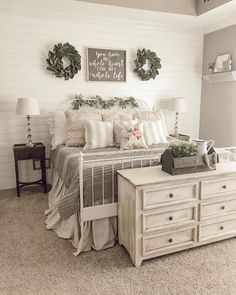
(160, 214)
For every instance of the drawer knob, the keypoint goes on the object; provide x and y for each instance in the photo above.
(171, 218)
(224, 186)
(223, 208)
(170, 241)
(171, 195)
(222, 228)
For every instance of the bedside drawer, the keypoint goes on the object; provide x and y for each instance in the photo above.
(218, 209)
(157, 221)
(159, 197)
(214, 187)
(29, 154)
(161, 242)
(217, 229)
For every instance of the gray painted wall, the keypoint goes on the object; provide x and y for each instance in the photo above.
(218, 103)
(173, 6)
(204, 6)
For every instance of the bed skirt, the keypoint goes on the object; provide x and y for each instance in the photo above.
(98, 234)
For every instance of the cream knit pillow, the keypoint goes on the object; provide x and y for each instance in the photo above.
(75, 125)
(116, 115)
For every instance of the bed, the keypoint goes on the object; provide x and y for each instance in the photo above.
(83, 200)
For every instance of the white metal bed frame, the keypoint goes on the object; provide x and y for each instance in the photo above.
(110, 210)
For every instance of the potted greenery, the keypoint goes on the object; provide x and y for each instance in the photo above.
(182, 158)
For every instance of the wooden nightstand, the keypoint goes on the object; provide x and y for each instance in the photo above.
(37, 152)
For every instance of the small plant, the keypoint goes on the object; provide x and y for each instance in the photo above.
(182, 149)
(211, 67)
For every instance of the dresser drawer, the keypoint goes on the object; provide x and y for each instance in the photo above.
(161, 242)
(218, 209)
(217, 229)
(214, 187)
(165, 220)
(159, 197)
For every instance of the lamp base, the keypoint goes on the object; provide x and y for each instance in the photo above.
(29, 135)
(176, 125)
(29, 144)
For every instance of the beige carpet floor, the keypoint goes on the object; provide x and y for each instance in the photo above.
(35, 261)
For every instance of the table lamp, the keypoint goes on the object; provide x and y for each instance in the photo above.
(28, 107)
(177, 105)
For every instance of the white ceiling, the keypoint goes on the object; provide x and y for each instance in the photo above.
(71, 10)
(186, 7)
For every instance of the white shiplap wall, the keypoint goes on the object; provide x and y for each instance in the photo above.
(25, 41)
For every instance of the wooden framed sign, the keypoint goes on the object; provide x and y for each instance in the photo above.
(106, 65)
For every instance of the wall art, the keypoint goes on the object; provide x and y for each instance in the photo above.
(106, 65)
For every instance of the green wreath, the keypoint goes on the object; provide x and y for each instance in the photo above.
(155, 64)
(55, 61)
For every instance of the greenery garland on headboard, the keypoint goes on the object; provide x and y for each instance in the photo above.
(100, 103)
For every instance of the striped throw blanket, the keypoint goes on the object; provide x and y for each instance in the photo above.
(99, 186)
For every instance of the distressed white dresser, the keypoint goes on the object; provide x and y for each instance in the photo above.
(160, 214)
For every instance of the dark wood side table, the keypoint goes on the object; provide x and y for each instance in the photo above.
(37, 152)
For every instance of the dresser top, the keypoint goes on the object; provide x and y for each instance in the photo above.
(155, 175)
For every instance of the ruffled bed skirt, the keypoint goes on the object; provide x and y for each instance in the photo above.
(98, 234)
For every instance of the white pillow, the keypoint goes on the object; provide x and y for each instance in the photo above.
(98, 134)
(57, 125)
(154, 132)
(152, 116)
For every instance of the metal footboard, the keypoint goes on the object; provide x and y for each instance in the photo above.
(107, 206)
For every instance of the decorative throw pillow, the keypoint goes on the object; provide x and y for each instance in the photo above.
(75, 125)
(152, 116)
(132, 137)
(154, 132)
(117, 126)
(112, 115)
(57, 126)
(98, 134)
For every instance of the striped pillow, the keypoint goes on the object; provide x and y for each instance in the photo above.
(154, 132)
(152, 116)
(98, 134)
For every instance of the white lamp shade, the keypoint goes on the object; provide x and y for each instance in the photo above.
(178, 105)
(27, 106)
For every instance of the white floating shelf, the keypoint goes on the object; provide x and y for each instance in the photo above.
(221, 77)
